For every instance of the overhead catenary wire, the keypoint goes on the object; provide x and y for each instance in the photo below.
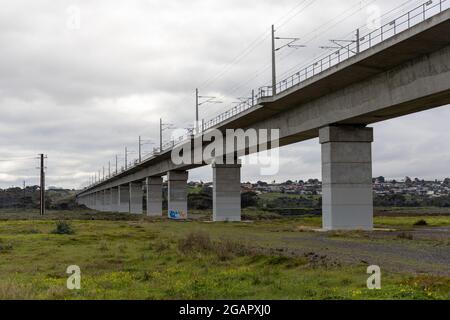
(343, 15)
(385, 16)
(253, 45)
(18, 159)
(267, 67)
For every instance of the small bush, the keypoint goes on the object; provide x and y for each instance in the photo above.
(200, 242)
(195, 242)
(5, 247)
(159, 246)
(228, 249)
(421, 223)
(62, 227)
(103, 245)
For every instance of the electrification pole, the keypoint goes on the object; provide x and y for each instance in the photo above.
(24, 195)
(200, 101)
(42, 193)
(290, 44)
(274, 70)
(196, 111)
(160, 135)
(126, 158)
(358, 42)
(140, 148)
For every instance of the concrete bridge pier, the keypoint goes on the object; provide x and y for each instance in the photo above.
(98, 200)
(226, 192)
(104, 201)
(115, 199)
(124, 198)
(136, 197)
(177, 194)
(347, 199)
(107, 201)
(153, 187)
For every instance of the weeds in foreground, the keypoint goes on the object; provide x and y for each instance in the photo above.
(10, 290)
(200, 242)
(5, 247)
(63, 227)
(405, 236)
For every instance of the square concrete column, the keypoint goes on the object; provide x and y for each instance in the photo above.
(103, 200)
(124, 199)
(226, 192)
(347, 199)
(136, 197)
(99, 200)
(107, 200)
(115, 199)
(153, 186)
(177, 194)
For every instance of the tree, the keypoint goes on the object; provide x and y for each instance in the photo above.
(249, 199)
(408, 181)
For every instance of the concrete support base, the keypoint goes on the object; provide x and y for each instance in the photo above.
(124, 199)
(91, 201)
(99, 201)
(226, 192)
(107, 201)
(177, 195)
(347, 198)
(136, 197)
(154, 196)
(115, 199)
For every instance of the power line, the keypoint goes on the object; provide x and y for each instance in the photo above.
(345, 14)
(267, 67)
(253, 45)
(18, 159)
(384, 16)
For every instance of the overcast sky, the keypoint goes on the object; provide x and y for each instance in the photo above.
(80, 80)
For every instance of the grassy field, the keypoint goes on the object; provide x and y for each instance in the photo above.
(130, 257)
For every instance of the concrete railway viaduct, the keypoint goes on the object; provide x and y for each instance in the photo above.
(400, 70)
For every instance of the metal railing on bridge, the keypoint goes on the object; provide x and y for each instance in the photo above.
(365, 42)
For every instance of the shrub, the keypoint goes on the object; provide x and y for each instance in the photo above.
(5, 247)
(62, 227)
(200, 242)
(195, 242)
(421, 223)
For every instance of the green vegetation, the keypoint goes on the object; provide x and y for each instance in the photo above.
(62, 227)
(131, 257)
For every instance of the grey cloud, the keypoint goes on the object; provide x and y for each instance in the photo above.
(81, 95)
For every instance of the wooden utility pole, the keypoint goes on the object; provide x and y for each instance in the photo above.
(42, 200)
(24, 194)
